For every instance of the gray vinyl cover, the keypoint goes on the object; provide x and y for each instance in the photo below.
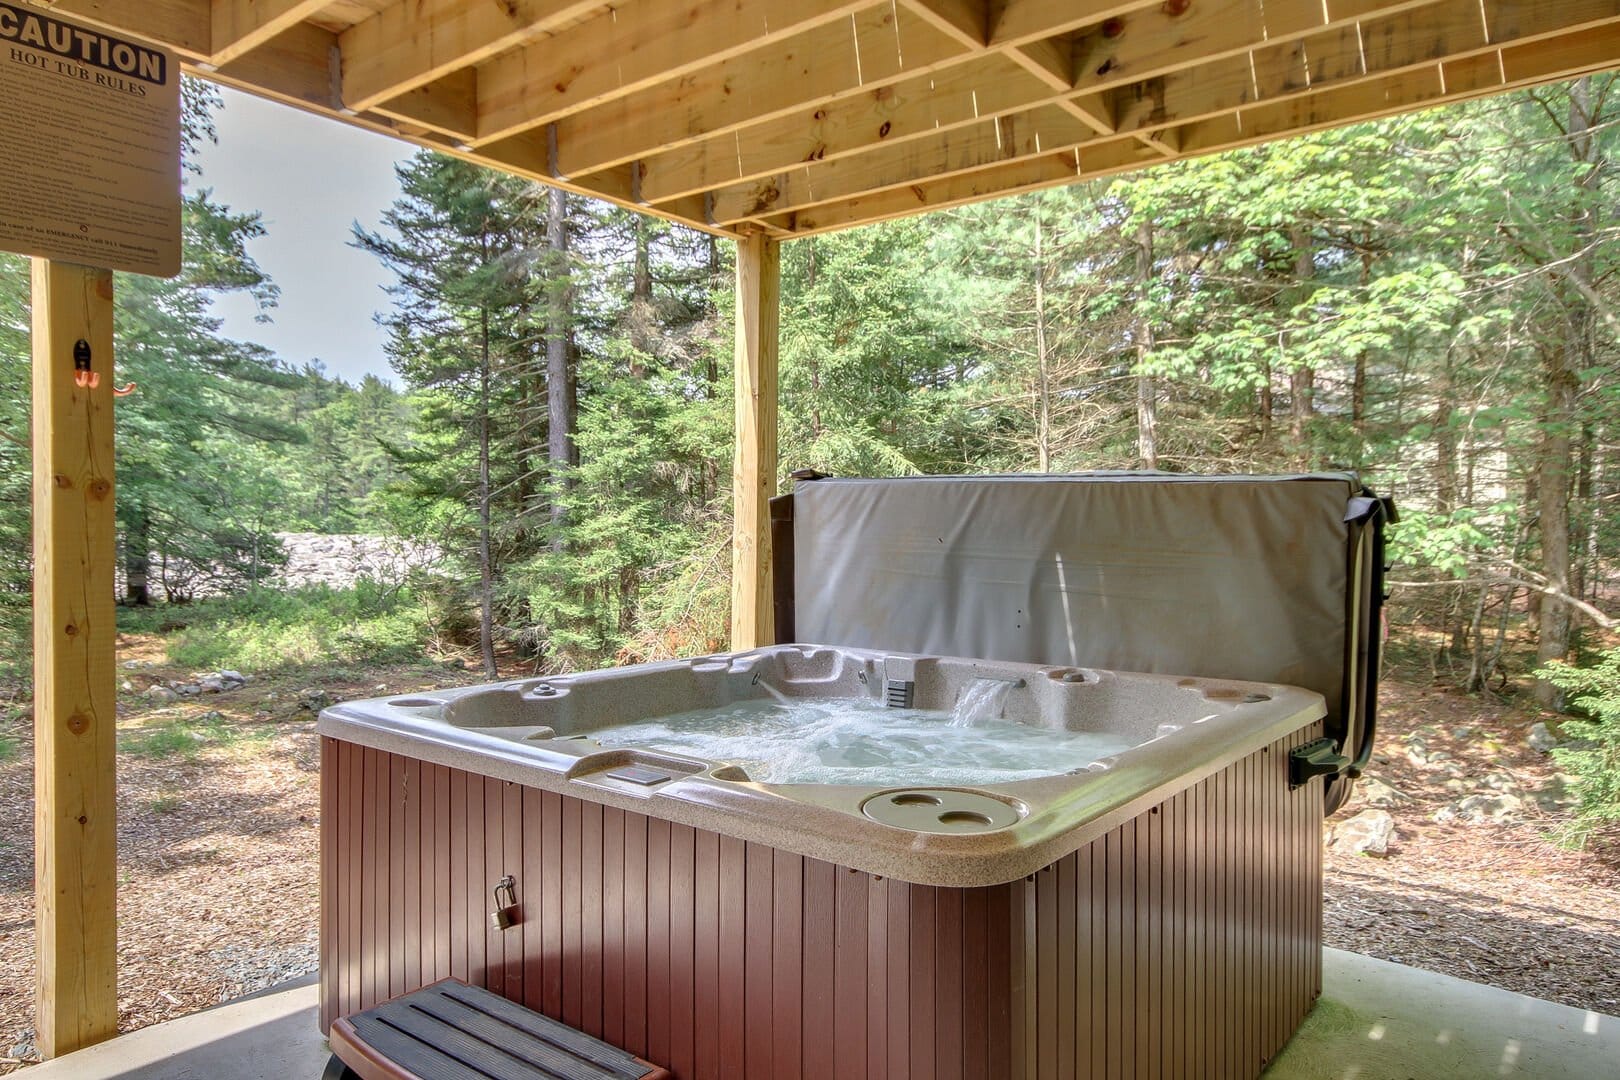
(1227, 577)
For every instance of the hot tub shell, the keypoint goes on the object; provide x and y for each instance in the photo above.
(1151, 915)
(1157, 917)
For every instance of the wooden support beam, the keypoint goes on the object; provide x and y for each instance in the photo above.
(877, 49)
(616, 54)
(931, 139)
(1025, 174)
(753, 474)
(1016, 22)
(1592, 47)
(239, 26)
(1035, 133)
(448, 105)
(75, 706)
(965, 21)
(978, 90)
(181, 25)
(411, 43)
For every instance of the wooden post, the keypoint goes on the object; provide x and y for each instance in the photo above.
(753, 474)
(75, 837)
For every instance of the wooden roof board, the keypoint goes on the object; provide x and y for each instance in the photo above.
(801, 116)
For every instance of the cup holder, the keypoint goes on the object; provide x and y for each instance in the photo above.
(941, 810)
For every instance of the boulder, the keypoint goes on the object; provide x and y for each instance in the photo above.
(314, 699)
(1374, 792)
(211, 684)
(1484, 809)
(1368, 833)
(159, 692)
(1540, 739)
(186, 689)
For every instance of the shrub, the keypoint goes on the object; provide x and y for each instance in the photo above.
(271, 631)
(1593, 754)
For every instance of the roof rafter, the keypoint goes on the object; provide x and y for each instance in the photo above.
(1150, 44)
(1528, 63)
(238, 26)
(796, 116)
(413, 42)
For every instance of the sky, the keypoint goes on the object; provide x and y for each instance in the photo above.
(312, 178)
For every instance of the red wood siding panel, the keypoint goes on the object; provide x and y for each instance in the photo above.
(1185, 942)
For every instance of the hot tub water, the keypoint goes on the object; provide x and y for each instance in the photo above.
(858, 741)
(982, 700)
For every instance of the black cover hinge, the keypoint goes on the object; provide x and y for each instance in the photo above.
(1319, 758)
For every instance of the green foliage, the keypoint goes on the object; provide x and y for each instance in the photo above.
(187, 738)
(276, 631)
(1592, 755)
(8, 748)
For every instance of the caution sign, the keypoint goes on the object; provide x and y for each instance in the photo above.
(89, 145)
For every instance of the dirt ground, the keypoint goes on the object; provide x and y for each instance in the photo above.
(217, 851)
(1496, 903)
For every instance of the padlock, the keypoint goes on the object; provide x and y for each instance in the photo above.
(505, 915)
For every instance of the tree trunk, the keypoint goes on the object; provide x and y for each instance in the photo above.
(628, 581)
(1358, 381)
(1302, 377)
(138, 560)
(641, 313)
(486, 562)
(559, 376)
(1561, 372)
(1043, 397)
(1552, 483)
(1147, 390)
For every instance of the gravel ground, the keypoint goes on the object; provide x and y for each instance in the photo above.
(217, 853)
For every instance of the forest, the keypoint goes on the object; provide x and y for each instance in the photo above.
(1429, 300)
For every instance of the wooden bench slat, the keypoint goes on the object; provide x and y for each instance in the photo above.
(453, 1031)
(493, 1060)
(533, 1052)
(555, 1032)
(410, 1054)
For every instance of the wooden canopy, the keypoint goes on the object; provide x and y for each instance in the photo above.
(791, 117)
(758, 119)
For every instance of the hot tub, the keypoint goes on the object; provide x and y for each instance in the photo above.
(832, 862)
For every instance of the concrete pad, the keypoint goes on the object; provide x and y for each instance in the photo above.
(1382, 1021)
(269, 1036)
(1375, 1021)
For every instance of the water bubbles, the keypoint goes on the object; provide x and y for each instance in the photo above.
(982, 700)
(860, 741)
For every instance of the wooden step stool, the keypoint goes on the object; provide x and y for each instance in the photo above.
(453, 1031)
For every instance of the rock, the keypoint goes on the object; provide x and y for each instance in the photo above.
(1501, 781)
(136, 665)
(1368, 833)
(1540, 739)
(233, 679)
(159, 692)
(314, 699)
(1487, 809)
(1463, 734)
(1556, 796)
(211, 684)
(186, 689)
(1374, 792)
(126, 685)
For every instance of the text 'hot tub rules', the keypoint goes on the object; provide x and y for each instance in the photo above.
(89, 145)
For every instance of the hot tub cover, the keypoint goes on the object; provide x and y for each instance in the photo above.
(1262, 578)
